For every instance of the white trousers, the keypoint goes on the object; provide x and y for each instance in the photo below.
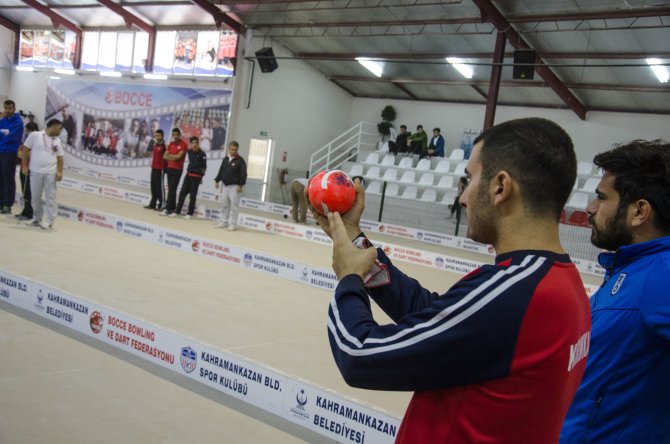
(43, 183)
(230, 198)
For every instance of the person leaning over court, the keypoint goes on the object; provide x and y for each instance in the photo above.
(625, 394)
(499, 356)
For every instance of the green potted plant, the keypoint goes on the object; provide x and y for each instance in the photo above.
(384, 127)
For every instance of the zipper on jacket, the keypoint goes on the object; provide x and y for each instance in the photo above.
(599, 401)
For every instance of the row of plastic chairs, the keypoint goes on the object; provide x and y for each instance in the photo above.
(409, 192)
(411, 176)
(388, 161)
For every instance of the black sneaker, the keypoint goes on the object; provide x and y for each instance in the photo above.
(149, 207)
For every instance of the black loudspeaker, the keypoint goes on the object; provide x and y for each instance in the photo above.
(266, 59)
(524, 61)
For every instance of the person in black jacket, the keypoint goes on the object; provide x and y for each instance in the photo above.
(197, 165)
(233, 174)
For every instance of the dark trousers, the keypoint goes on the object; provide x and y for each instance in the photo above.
(157, 191)
(190, 187)
(173, 182)
(25, 189)
(7, 178)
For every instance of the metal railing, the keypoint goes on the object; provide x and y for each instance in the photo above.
(362, 137)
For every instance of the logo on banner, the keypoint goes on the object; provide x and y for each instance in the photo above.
(268, 226)
(96, 322)
(299, 408)
(419, 235)
(161, 235)
(309, 234)
(491, 249)
(195, 245)
(119, 226)
(208, 213)
(188, 359)
(305, 274)
(387, 250)
(80, 215)
(40, 298)
(248, 259)
(381, 228)
(439, 262)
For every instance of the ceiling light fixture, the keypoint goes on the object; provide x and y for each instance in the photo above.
(376, 68)
(659, 70)
(459, 64)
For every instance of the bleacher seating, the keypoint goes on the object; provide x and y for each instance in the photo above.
(408, 177)
(372, 158)
(409, 193)
(578, 200)
(356, 170)
(373, 173)
(429, 195)
(457, 154)
(590, 185)
(448, 197)
(388, 160)
(579, 218)
(446, 182)
(443, 166)
(426, 179)
(423, 165)
(392, 190)
(584, 168)
(390, 174)
(374, 188)
(460, 169)
(405, 162)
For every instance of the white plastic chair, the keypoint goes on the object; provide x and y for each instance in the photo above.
(448, 197)
(578, 200)
(460, 169)
(409, 193)
(408, 177)
(430, 195)
(372, 158)
(392, 190)
(457, 154)
(426, 179)
(442, 166)
(390, 174)
(590, 185)
(356, 170)
(584, 168)
(373, 173)
(423, 165)
(374, 188)
(446, 182)
(405, 162)
(388, 160)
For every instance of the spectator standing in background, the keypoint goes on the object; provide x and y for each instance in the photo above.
(11, 136)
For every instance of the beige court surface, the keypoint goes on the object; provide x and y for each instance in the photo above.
(57, 388)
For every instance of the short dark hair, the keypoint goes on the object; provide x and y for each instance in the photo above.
(538, 154)
(403, 126)
(419, 126)
(53, 122)
(31, 126)
(9, 102)
(193, 138)
(437, 129)
(642, 171)
(159, 131)
(176, 130)
(234, 143)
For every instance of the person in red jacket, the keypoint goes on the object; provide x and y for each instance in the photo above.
(175, 155)
(498, 357)
(158, 165)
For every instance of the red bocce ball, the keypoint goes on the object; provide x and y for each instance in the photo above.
(331, 191)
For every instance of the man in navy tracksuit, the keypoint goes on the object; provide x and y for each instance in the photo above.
(11, 135)
(499, 356)
(625, 394)
(197, 166)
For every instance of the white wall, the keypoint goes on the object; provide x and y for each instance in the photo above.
(597, 133)
(6, 57)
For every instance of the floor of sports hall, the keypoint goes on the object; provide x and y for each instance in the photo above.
(60, 387)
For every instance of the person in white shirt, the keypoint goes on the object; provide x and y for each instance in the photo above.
(45, 156)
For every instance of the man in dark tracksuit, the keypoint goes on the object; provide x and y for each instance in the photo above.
(197, 165)
(499, 356)
(233, 174)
